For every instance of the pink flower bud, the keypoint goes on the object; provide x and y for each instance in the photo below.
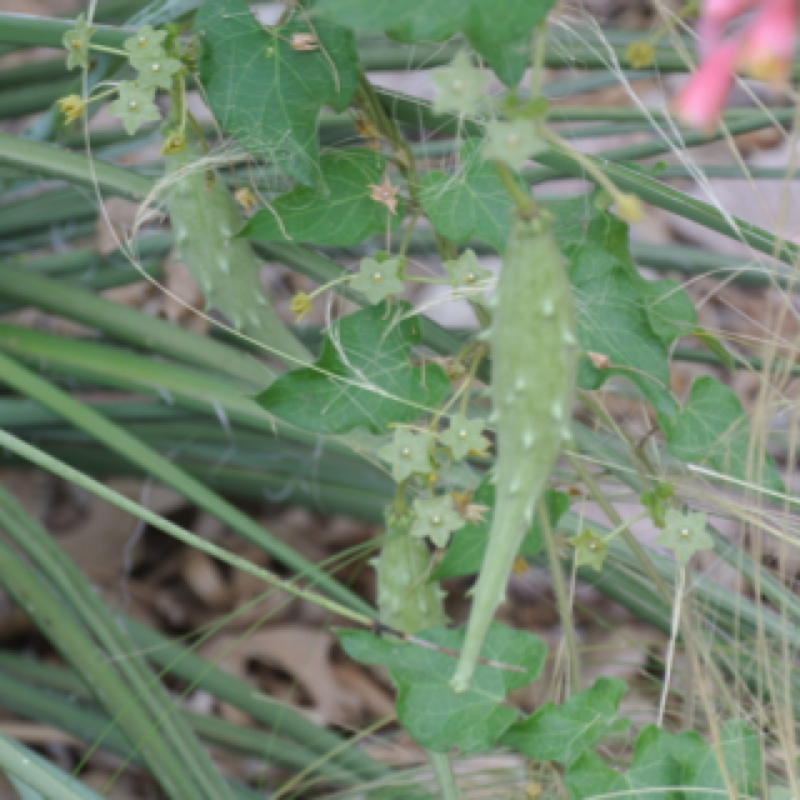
(702, 99)
(768, 48)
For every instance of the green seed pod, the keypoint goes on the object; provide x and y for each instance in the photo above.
(406, 600)
(205, 219)
(534, 362)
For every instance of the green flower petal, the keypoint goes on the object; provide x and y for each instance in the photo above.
(685, 534)
(76, 43)
(435, 519)
(466, 272)
(134, 106)
(146, 42)
(155, 72)
(590, 549)
(512, 143)
(464, 435)
(461, 87)
(379, 279)
(408, 453)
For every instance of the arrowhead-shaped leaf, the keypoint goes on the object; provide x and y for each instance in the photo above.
(620, 315)
(362, 378)
(471, 203)
(339, 213)
(562, 733)
(714, 430)
(435, 716)
(654, 770)
(669, 766)
(266, 94)
(702, 777)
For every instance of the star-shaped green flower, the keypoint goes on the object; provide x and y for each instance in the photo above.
(146, 43)
(464, 435)
(408, 453)
(155, 72)
(685, 534)
(134, 106)
(379, 279)
(466, 272)
(435, 519)
(590, 548)
(513, 142)
(461, 87)
(76, 43)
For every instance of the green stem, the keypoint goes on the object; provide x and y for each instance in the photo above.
(526, 205)
(112, 50)
(443, 770)
(630, 540)
(539, 52)
(562, 601)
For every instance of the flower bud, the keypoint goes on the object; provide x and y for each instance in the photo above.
(71, 107)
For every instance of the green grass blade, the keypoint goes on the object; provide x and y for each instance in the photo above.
(30, 31)
(130, 325)
(182, 662)
(86, 724)
(29, 769)
(67, 635)
(48, 160)
(85, 418)
(47, 462)
(270, 747)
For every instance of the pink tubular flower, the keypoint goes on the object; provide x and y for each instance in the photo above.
(768, 47)
(764, 49)
(716, 15)
(702, 99)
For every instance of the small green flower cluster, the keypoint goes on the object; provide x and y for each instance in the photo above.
(381, 276)
(413, 454)
(462, 88)
(155, 70)
(157, 60)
